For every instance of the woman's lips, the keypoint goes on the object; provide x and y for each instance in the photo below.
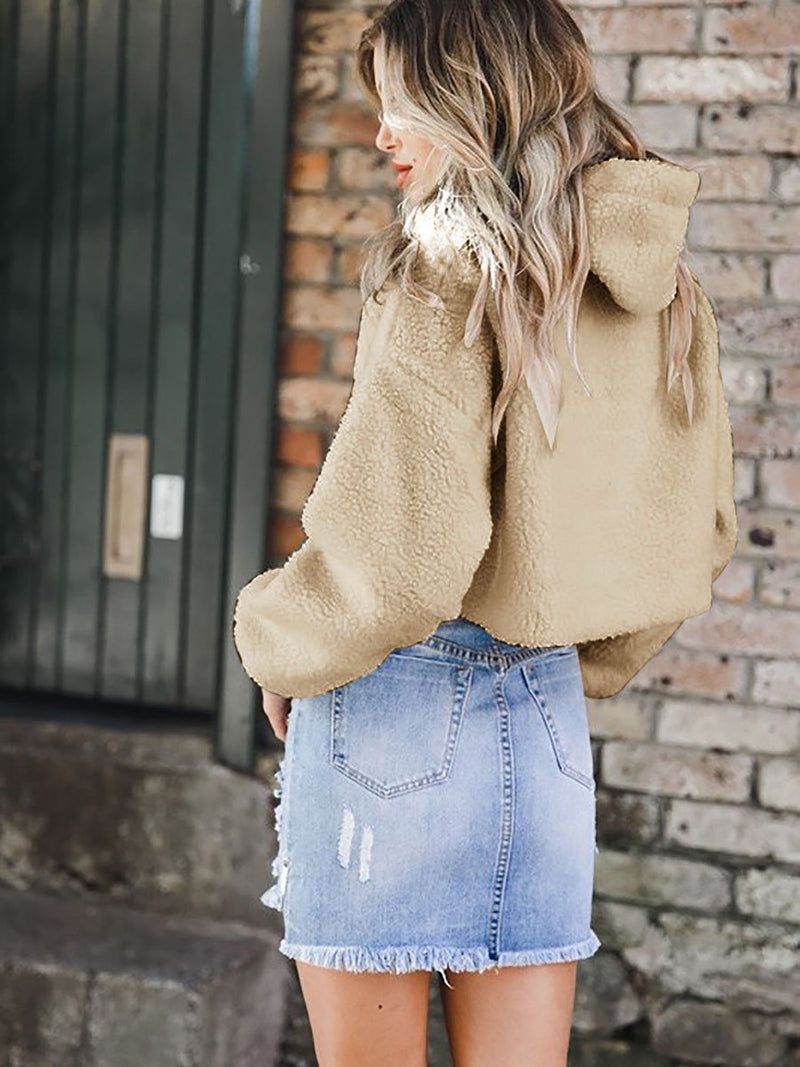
(402, 172)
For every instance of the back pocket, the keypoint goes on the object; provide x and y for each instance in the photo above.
(556, 685)
(395, 729)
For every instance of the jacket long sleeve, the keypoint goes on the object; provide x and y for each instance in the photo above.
(400, 514)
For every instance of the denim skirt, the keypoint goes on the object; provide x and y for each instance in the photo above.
(439, 812)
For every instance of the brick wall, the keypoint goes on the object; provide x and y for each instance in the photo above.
(698, 763)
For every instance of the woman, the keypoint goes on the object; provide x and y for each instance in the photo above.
(496, 533)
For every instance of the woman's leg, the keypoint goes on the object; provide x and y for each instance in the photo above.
(366, 1019)
(515, 1016)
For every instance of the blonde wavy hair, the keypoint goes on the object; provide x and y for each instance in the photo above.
(507, 89)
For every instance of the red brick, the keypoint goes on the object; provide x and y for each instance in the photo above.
(664, 127)
(340, 216)
(786, 385)
(366, 168)
(788, 175)
(753, 29)
(308, 261)
(343, 355)
(750, 128)
(644, 29)
(744, 481)
(285, 534)
(330, 31)
(775, 681)
(768, 329)
(744, 381)
(711, 78)
(300, 447)
(785, 276)
(348, 263)
(780, 482)
(321, 307)
(751, 631)
(300, 355)
(333, 124)
(750, 227)
(780, 585)
(292, 487)
(736, 583)
(613, 76)
(350, 89)
(310, 400)
(316, 78)
(766, 432)
(739, 177)
(680, 671)
(309, 169)
(729, 276)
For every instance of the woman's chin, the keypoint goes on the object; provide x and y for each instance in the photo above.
(418, 194)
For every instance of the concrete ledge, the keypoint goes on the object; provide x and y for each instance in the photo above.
(144, 818)
(106, 985)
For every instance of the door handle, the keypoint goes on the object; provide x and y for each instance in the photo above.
(126, 505)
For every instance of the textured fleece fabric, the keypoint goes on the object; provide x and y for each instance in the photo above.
(609, 541)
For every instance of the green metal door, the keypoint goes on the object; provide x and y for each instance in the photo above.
(139, 302)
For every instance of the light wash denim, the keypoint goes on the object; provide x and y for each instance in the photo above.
(439, 812)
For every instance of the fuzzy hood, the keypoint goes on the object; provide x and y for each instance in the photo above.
(637, 212)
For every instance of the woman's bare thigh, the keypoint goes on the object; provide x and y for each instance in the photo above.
(368, 1018)
(512, 1016)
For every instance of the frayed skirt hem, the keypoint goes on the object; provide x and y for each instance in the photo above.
(426, 958)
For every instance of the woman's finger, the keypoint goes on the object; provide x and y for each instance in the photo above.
(277, 709)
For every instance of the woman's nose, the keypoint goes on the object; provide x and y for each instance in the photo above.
(385, 139)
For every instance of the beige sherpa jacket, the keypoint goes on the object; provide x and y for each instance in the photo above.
(609, 541)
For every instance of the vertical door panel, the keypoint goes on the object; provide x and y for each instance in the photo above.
(92, 338)
(269, 53)
(135, 268)
(210, 445)
(54, 478)
(24, 291)
(176, 318)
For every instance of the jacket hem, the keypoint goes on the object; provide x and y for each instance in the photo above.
(404, 958)
(575, 636)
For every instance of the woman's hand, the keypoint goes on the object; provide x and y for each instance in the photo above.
(277, 709)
